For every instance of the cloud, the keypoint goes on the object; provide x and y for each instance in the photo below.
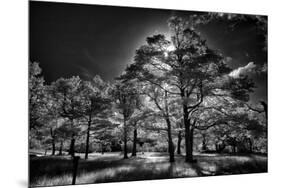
(243, 70)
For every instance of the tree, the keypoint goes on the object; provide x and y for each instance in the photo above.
(136, 120)
(126, 99)
(96, 103)
(43, 114)
(63, 133)
(67, 93)
(184, 69)
(51, 117)
(103, 132)
(162, 101)
(189, 67)
(36, 96)
(230, 123)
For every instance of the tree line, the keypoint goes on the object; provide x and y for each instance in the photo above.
(177, 88)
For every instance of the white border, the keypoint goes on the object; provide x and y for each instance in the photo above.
(13, 99)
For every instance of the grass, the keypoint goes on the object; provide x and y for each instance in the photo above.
(110, 167)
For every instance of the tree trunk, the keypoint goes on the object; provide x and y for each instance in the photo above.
(88, 137)
(179, 143)
(134, 152)
(234, 145)
(61, 145)
(53, 142)
(53, 147)
(220, 147)
(188, 147)
(72, 144)
(204, 145)
(233, 149)
(125, 140)
(250, 145)
(186, 120)
(170, 141)
(191, 141)
(169, 130)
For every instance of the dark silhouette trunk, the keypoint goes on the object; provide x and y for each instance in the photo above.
(204, 144)
(61, 146)
(171, 149)
(45, 152)
(170, 141)
(220, 147)
(250, 145)
(75, 168)
(53, 142)
(53, 147)
(233, 149)
(88, 137)
(102, 149)
(72, 144)
(188, 149)
(125, 139)
(134, 152)
(186, 120)
(179, 142)
(191, 140)
(234, 145)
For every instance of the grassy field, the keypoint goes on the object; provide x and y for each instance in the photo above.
(110, 167)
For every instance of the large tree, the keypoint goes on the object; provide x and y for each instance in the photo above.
(188, 66)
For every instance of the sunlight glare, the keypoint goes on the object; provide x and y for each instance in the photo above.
(171, 48)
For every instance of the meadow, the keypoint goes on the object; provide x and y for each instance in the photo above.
(111, 167)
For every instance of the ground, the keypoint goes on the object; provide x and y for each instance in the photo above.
(111, 167)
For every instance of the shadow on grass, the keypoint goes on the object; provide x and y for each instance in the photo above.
(112, 168)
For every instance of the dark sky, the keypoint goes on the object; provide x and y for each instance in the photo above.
(74, 39)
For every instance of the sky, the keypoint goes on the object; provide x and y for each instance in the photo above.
(86, 40)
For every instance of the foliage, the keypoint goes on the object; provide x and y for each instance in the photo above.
(36, 96)
(176, 88)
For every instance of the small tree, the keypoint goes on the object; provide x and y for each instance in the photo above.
(136, 120)
(126, 99)
(63, 132)
(96, 103)
(36, 96)
(67, 93)
(103, 132)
